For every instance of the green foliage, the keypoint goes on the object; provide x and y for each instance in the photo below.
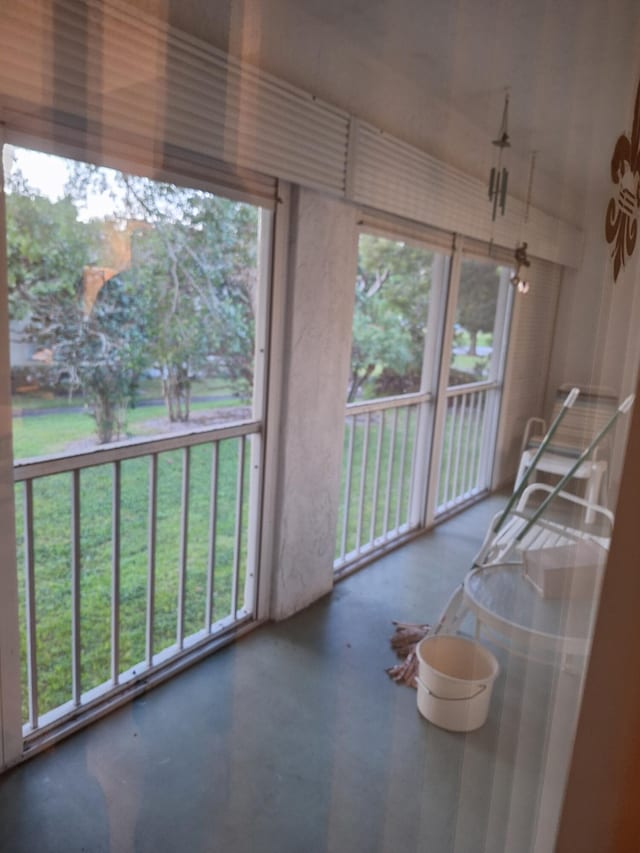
(47, 248)
(96, 349)
(477, 299)
(100, 351)
(193, 268)
(182, 302)
(392, 299)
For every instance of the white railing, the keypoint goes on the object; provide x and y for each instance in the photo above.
(140, 549)
(379, 458)
(465, 462)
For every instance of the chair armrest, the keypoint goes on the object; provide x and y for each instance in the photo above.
(537, 490)
(528, 431)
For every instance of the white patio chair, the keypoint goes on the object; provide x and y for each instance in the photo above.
(586, 417)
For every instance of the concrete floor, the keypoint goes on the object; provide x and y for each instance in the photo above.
(294, 741)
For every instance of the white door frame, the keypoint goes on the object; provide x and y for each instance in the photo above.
(10, 688)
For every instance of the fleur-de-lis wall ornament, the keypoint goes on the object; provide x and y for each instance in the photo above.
(621, 226)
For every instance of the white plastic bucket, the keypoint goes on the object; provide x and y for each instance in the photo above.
(455, 680)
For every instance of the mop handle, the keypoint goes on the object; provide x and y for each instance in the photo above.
(622, 409)
(520, 487)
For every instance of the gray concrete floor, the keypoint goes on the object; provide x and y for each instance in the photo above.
(294, 739)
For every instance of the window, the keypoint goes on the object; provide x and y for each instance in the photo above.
(399, 307)
(476, 315)
(135, 316)
(132, 305)
(393, 290)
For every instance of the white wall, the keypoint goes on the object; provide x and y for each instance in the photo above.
(433, 74)
(320, 297)
(598, 319)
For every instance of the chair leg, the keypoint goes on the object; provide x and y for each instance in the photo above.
(592, 496)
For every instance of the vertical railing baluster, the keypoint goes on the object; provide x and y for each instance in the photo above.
(152, 530)
(363, 480)
(417, 410)
(478, 443)
(469, 438)
(376, 478)
(403, 462)
(184, 536)
(347, 490)
(30, 605)
(237, 548)
(213, 522)
(482, 472)
(392, 450)
(76, 686)
(450, 430)
(115, 573)
(459, 441)
(480, 403)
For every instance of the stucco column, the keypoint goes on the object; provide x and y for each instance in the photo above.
(322, 263)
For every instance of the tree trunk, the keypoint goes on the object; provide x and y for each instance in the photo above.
(473, 343)
(357, 381)
(106, 418)
(176, 390)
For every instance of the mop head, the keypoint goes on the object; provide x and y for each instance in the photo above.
(404, 641)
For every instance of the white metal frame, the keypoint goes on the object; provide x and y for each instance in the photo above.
(491, 389)
(443, 378)
(42, 729)
(400, 410)
(422, 401)
(276, 318)
(10, 705)
(113, 457)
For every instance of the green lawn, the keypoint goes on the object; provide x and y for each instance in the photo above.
(148, 389)
(41, 435)
(52, 550)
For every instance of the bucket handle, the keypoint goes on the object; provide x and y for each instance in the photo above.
(480, 689)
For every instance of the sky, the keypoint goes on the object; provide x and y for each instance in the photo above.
(48, 175)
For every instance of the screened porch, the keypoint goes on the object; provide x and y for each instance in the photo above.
(277, 305)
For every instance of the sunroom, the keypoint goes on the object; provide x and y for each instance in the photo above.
(290, 237)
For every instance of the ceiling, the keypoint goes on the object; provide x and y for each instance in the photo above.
(434, 73)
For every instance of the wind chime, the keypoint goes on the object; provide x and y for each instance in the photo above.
(499, 176)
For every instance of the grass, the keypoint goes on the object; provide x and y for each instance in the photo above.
(469, 363)
(52, 556)
(39, 435)
(148, 389)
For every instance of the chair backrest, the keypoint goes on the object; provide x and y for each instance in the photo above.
(583, 421)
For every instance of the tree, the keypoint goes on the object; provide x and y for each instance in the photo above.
(392, 296)
(477, 299)
(102, 351)
(97, 348)
(193, 266)
(180, 269)
(47, 248)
